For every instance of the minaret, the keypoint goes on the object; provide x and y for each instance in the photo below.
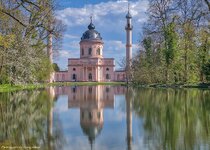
(128, 29)
(50, 46)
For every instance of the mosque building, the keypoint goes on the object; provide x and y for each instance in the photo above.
(92, 66)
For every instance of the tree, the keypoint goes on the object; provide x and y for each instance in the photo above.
(207, 3)
(176, 46)
(56, 67)
(203, 52)
(206, 70)
(170, 46)
(27, 21)
(147, 43)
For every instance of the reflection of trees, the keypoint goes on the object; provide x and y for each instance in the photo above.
(24, 119)
(174, 119)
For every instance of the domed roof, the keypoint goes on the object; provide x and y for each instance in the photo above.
(128, 15)
(91, 33)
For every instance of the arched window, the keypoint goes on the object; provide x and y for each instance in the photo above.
(90, 51)
(90, 76)
(74, 69)
(107, 69)
(118, 77)
(98, 51)
(74, 77)
(90, 116)
(107, 76)
(82, 51)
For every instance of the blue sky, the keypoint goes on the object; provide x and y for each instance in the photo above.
(108, 18)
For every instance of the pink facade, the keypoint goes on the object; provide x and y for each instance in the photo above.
(91, 66)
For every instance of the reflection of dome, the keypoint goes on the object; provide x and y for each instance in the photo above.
(91, 34)
(91, 130)
(91, 122)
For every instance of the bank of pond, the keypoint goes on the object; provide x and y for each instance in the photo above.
(9, 87)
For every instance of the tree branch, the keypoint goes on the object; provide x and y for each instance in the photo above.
(208, 4)
(13, 17)
(29, 2)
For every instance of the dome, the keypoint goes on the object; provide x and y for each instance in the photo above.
(91, 33)
(128, 15)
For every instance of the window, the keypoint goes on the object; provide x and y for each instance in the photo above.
(74, 69)
(107, 69)
(123, 76)
(107, 76)
(82, 51)
(90, 116)
(90, 76)
(98, 51)
(74, 77)
(118, 77)
(90, 51)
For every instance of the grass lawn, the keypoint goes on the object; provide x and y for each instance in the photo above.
(9, 88)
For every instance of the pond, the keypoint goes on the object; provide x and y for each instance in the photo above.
(105, 118)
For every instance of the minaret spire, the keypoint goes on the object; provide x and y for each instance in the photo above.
(91, 19)
(128, 6)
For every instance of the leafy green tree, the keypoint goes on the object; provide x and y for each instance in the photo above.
(170, 46)
(206, 70)
(147, 43)
(203, 52)
(24, 57)
(56, 67)
(176, 44)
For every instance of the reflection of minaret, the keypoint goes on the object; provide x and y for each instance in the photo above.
(129, 102)
(50, 118)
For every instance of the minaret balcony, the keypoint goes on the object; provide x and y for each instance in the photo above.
(129, 27)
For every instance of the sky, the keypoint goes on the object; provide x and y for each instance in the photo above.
(109, 20)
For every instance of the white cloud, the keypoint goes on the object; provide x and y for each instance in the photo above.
(102, 12)
(64, 53)
(69, 36)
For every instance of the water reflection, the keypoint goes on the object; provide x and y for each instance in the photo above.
(25, 116)
(91, 100)
(174, 118)
(106, 118)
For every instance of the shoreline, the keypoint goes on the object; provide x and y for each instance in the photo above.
(12, 88)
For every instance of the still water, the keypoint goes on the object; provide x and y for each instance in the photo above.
(105, 118)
